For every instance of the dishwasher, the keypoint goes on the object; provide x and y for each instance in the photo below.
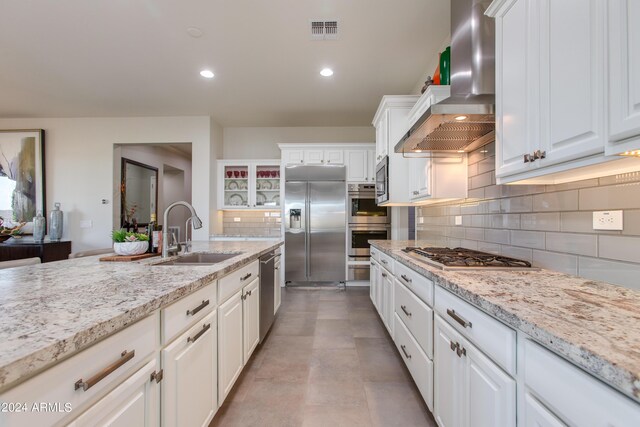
(267, 291)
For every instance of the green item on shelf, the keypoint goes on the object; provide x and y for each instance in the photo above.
(445, 66)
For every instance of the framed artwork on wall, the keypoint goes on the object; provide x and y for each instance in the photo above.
(22, 176)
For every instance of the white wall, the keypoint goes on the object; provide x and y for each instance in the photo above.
(79, 166)
(261, 142)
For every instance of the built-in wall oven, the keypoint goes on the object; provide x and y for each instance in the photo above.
(358, 248)
(367, 221)
(363, 208)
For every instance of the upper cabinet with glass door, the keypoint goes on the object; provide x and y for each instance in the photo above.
(249, 184)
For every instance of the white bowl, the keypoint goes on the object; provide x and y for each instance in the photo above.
(130, 248)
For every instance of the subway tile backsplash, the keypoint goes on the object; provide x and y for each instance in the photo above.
(251, 223)
(548, 225)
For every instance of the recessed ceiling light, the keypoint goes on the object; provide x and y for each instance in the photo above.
(194, 32)
(417, 151)
(207, 74)
(460, 151)
(460, 118)
(326, 72)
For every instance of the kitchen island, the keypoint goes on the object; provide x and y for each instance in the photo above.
(593, 325)
(51, 312)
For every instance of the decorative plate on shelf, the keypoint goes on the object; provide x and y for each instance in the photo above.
(243, 185)
(276, 199)
(260, 199)
(267, 185)
(236, 200)
(232, 185)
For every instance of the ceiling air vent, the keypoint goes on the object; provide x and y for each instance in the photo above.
(324, 30)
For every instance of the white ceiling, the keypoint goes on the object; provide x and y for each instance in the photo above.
(83, 58)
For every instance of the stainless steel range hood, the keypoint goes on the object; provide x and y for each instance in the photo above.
(465, 120)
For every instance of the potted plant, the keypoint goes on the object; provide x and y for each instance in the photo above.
(129, 243)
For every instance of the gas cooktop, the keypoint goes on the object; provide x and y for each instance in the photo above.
(466, 259)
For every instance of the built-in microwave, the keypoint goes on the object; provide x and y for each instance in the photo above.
(363, 208)
(382, 180)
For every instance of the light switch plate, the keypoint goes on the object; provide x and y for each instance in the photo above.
(607, 220)
(458, 220)
(87, 223)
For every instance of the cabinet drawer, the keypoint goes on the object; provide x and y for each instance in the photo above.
(416, 315)
(574, 396)
(375, 254)
(58, 384)
(419, 285)
(495, 339)
(231, 283)
(386, 261)
(420, 366)
(184, 313)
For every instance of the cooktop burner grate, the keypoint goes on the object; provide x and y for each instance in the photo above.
(465, 258)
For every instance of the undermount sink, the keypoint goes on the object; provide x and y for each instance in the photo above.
(200, 259)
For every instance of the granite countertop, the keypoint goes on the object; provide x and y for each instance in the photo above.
(595, 325)
(51, 311)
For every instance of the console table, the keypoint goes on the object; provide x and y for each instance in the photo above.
(47, 251)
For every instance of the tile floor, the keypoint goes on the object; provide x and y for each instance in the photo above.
(328, 361)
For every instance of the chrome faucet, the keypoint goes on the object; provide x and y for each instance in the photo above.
(168, 250)
(187, 227)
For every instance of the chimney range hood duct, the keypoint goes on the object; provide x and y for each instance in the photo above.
(465, 120)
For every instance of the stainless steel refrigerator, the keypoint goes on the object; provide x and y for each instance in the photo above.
(315, 228)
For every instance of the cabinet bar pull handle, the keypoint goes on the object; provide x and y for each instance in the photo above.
(384, 261)
(242, 279)
(198, 308)
(125, 356)
(528, 158)
(404, 350)
(453, 345)
(415, 193)
(405, 278)
(539, 154)
(458, 318)
(384, 274)
(405, 310)
(372, 264)
(204, 329)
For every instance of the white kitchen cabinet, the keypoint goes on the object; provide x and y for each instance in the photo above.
(551, 91)
(132, 403)
(292, 156)
(251, 318)
(321, 157)
(361, 166)
(386, 283)
(537, 415)
(570, 394)
(623, 42)
(447, 377)
(438, 180)
(190, 380)
(249, 184)
(470, 390)
(391, 123)
(230, 344)
(357, 165)
(373, 282)
(77, 380)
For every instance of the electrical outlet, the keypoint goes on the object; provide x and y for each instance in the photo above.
(458, 220)
(87, 223)
(607, 220)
